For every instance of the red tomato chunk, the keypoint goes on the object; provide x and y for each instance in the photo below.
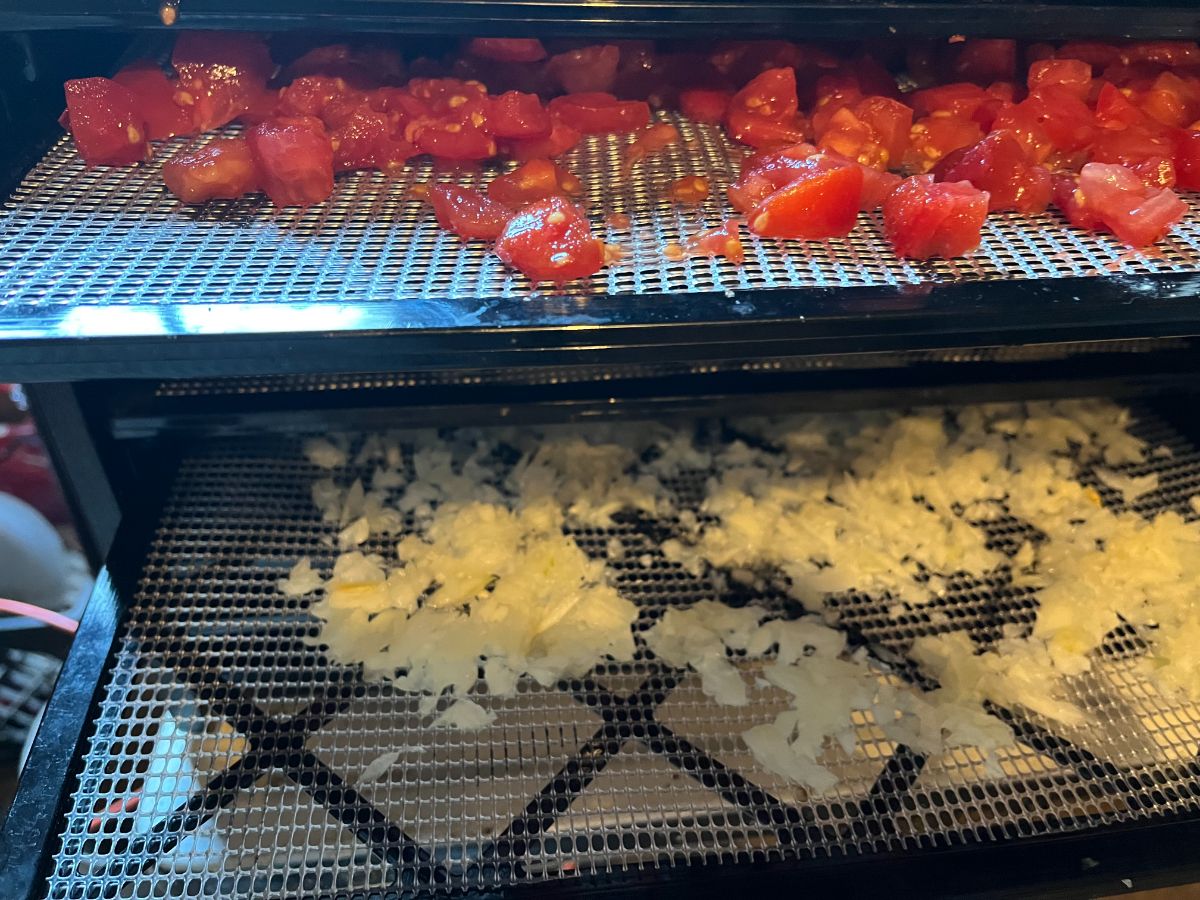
(1124, 204)
(295, 160)
(468, 213)
(105, 120)
(533, 181)
(551, 241)
(600, 113)
(820, 201)
(155, 95)
(224, 169)
(923, 219)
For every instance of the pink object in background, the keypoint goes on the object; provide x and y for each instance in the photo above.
(25, 470)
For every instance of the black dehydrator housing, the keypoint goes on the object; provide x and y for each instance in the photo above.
(176, 356)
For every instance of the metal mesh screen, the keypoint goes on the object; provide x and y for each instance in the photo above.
(230, 759)
(70, 235)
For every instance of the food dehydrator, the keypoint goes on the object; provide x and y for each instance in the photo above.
(199, 744)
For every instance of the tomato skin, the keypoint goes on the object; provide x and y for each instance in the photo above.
(294, 159)
(588, 70)
(999, 166)
(924, 219)
(220, 73)
(468, 213)
(561, 139)
(551, 241)
(1164, 53)
(533, 181)
(707, 106)
(1136, 213)
(104, 120)
(223, 169)
(599, 113)
(508, 49)
(517, 115)
(155, 95)
(819, 202)
(723, 240)
(1073, 74)
(934, 136)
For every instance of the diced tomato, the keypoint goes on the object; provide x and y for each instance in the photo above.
(764, 173)
(108, 127)
(1148, 152)
(517, 115)
(1069, 200)
(833, 92)
(765, 111)
(706, 106)
(450, 140)
(561, 139)
(872, 77)
(1171, 100)
(262, 105)
(1114, 110)
(1187, 160)
(399, 102)
(934, 136)
(1095, 54)
(223, 169)
(310, 95)
(155, 95)
(998, 165)
(876, 187)
(451, 98)
(819, 202)
(689, 189)
(984, 60)
(1066, 120)
(362, 66)
(533, 181)
(1163, 53)
(1026, 122)
(891, 121)
(551, 241)
(508, 49)
(468, 213)
(923, 219)
(743, 60)
(597, 113)
(1073, 74)
(1132, 210)
(220, 72)
(369, 139)
(723, 240)
(657, 137)
(588, 70)
(960, 100)
(294, 159)
(851, 137)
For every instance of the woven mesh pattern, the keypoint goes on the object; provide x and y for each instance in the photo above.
(70, 235)
(230, 759)
(542, 375)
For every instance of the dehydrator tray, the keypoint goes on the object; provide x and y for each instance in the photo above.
(225, 756)
(104, 274)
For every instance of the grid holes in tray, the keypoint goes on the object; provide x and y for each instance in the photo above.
(71, 235)
(245, 749)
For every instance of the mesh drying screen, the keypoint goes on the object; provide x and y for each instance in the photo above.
(72, 235)
(230, 759)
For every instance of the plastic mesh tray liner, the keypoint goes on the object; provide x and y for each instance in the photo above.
(70, 235)
(228, 758)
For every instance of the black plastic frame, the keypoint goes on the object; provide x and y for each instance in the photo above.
(156, 342)
(809, 19)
